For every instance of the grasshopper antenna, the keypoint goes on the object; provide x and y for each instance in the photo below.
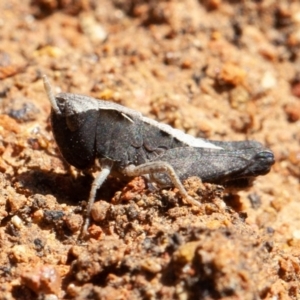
(50, 95)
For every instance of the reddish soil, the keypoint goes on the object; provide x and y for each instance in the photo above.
(224, 70)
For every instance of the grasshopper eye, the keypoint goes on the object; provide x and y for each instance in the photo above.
(74, 122)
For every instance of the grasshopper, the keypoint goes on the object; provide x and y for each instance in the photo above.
(128, 144)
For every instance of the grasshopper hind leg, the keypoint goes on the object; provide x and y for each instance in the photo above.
(152, 169)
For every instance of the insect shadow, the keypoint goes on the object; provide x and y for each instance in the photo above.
(66, 188)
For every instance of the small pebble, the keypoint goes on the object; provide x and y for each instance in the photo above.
(17, 222)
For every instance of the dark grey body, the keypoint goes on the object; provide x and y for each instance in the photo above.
(104, 130)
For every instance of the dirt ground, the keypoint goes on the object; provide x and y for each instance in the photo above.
(223, 70)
